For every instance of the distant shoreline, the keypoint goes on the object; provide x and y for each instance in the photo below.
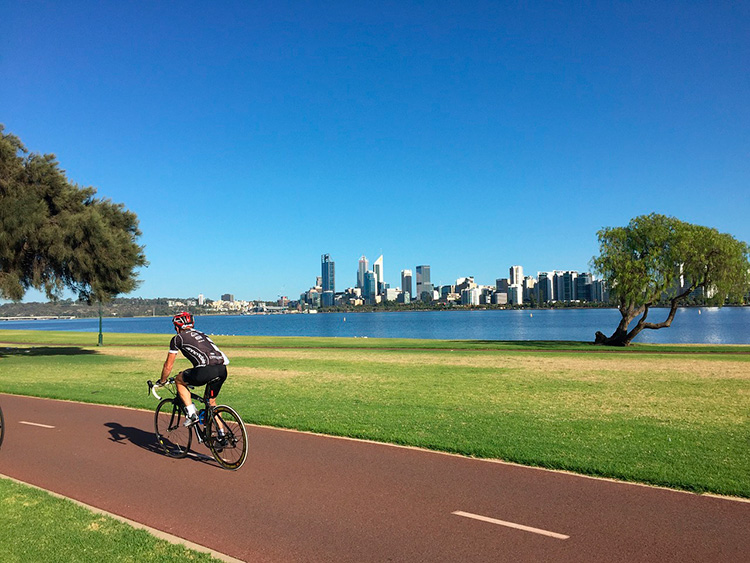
(21, 318)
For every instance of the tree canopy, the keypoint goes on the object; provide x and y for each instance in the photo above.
(656, 258)
(56, 235)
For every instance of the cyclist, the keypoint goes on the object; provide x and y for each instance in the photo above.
(208, 363)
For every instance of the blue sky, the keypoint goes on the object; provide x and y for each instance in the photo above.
(252, 137)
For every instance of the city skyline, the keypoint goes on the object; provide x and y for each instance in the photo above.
(515, 289)
(248, 137)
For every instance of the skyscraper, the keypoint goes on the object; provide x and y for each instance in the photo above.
(583, 287)
(423, 280)
(377, 268)
(370, 290)
(545, 287)
(516, 275)
(361, 272)
(406, 282)
(565, 286)
(328, 273)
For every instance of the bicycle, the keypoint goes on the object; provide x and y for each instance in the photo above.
(220, 428)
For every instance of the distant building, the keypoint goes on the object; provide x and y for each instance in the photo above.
(565, 286)
(470, 296)
(445, 290)
(313, 298)
(228, 297)
(328, 273)
(502, 285)
(486, 292)
(584, 285)
(361, 271)
(201, 299)
(328, 298)
(370, 289)
(406, 283)
(423, 281)
(464, 283)
(500, 298)
(545, 288)
(529, 284)
(515, 294)
(599, 291)
(516, 275)
(377, 269)
(391, 294)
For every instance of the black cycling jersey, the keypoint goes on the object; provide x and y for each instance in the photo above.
(198, 348)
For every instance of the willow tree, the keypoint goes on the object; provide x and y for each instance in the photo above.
(56, 235)
(657, 259)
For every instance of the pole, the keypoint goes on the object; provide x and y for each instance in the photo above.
(101, 340)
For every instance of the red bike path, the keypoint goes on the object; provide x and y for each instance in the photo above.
(311, 498)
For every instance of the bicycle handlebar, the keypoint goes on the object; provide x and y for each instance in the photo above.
(153, 386)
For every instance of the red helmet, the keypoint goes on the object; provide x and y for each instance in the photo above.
(183, 320)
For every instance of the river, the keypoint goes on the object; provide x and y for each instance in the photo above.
(705, 325)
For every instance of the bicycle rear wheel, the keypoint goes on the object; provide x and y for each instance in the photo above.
(229, 450)
(2, 427)
(173, 437)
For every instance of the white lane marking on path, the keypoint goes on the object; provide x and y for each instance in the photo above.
(511, 525)
(35, 424)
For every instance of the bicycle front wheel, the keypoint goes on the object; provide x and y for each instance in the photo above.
(229, 449)
(173, 437)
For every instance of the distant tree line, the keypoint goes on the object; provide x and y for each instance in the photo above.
(117, 307)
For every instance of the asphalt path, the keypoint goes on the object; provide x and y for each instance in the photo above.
(311, 498)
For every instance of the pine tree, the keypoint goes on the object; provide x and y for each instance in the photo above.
(56, 235)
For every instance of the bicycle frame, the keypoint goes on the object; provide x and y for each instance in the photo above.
(202, 428)
(228, 443)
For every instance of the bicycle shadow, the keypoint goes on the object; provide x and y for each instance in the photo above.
(147, 440)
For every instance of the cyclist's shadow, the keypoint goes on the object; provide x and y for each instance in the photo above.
(143, 439)
(120, 434)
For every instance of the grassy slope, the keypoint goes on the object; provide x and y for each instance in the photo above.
(674, 419)
(38, 527)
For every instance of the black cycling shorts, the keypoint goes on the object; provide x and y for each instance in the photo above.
(202, 375)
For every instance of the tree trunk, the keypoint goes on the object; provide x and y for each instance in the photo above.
(621, 336)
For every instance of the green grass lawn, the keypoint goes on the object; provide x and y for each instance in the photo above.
(38, 527)
(676, 416)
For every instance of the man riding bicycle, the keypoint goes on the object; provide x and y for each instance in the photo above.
(208, 362)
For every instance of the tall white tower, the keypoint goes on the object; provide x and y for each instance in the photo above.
(361, 272)
(377, 268)
(406, 282)
(516, 275)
